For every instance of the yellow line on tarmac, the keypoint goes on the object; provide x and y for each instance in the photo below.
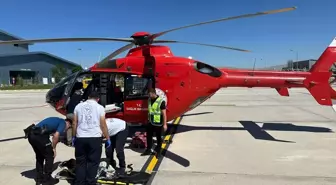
(112, 182)
(154, 160)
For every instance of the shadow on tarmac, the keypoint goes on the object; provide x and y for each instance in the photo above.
(257, 132)
(31, 174)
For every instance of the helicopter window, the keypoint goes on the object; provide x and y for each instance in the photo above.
(136, 87)
(112, 64)
(207, 69)
(66, 80)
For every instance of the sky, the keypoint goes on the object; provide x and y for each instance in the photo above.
(306, 31)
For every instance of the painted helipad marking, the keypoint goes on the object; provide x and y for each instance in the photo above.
(153, 163)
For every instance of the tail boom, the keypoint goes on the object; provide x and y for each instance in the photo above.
(316, 81)
(272, 79)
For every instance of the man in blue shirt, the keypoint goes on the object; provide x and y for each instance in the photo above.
(45, 150)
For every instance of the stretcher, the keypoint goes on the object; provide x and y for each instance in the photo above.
(112, 108)
(105, 175)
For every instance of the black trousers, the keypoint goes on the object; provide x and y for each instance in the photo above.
(158, 130)
(42, 147)
(88, 153)
(117, 143)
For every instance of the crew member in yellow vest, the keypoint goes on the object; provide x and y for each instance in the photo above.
(157, 122)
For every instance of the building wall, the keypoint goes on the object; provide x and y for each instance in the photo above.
(40, 63)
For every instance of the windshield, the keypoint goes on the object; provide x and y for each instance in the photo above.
(66, 80)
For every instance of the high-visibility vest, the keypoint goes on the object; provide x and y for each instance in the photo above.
(154, 111)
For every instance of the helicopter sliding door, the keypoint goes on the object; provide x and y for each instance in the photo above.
(136, 98)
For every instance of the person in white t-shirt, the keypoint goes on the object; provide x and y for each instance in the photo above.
(89, 126)
(118, 132)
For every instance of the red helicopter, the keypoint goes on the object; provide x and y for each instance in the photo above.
(183, 82)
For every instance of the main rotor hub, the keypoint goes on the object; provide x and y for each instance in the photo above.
(141, 38)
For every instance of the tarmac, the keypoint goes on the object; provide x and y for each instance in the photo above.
(239, 136)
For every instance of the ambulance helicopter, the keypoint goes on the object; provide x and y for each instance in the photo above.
(184, 83)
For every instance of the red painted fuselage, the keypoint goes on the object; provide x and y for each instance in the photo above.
(187, 83)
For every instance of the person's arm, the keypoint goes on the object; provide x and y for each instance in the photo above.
(55, 138)
(103, 125)
(75, 121)
(164, 112)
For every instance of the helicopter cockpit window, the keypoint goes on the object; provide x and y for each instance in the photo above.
(66, 80)
(136, 87)
(77, 92)
(207, 69)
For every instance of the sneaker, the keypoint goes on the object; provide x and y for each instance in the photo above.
(39, 179)
(110, 169)
(147, 152)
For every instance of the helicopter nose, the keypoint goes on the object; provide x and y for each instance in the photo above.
(50, 99)
(53, 96)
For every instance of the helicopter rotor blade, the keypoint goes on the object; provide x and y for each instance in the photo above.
(210, 45)
(115, 53)
(31, 41)
(152, 37)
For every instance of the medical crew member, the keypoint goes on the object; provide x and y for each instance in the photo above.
(118, 133)
(88, 128)
(157, 121)
(45, 150)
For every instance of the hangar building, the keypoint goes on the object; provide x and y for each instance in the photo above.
(33, 67)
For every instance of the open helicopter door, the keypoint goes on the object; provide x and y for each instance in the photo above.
(136, 97)
(69, 82)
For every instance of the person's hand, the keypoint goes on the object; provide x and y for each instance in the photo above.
(165, 127)
(107, 143)
(73, 141)
(54, 150)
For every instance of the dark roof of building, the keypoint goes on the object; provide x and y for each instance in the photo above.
(11, 36)
(40, 53)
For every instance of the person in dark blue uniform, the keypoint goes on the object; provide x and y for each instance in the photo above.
(45, 150)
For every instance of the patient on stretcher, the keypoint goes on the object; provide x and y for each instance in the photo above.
(105, 174)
